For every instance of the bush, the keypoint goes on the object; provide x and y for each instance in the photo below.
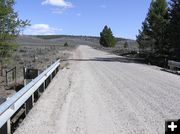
(66, 44)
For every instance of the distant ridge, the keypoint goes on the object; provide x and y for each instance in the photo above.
(74, 36)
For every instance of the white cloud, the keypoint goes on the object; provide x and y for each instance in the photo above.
(103, 6)
(60, 3)
(41, 29)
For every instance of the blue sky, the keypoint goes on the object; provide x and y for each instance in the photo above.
(83, 17)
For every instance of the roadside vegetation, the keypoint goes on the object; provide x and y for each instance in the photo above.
(10, 27)
(66, 44)
(159, 37)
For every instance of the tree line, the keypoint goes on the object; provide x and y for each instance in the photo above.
(159, 37)
(160, 32)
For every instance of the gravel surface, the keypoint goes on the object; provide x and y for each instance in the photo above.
(100, 93)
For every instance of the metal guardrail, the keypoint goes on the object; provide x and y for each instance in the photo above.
(14, 103)
(173, 64)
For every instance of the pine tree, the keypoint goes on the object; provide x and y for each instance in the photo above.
(174, 29)
(146, 43)
(106, 37)
(125, 45)
(153, 34)
(10, 26)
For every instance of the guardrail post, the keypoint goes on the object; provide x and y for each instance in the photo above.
(33, 99)
(50, 77)
(29, 104)
(9, 126)
(55, 72)
(36, 95)
(3, 129)
(44, 86)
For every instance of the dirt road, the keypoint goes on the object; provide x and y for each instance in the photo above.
(101, 93)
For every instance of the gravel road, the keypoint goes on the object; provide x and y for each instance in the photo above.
(100, 93)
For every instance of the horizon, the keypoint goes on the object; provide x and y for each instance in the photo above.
(63, 35)
(79, 18)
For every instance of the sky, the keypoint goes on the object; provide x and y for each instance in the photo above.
(83, 17)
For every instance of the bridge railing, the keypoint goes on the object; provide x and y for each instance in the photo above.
(173, 64)
(20, 103)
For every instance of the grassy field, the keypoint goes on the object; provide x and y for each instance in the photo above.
(32, 52)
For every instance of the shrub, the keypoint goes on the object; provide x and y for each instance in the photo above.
(66, 44)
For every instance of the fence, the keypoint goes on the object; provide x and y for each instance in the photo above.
(19, 105)
(11, 77)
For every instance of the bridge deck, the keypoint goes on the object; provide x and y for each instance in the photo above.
(100, 93)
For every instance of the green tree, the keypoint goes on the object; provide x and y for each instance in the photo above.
(125, 45)
(10, 27)
(153, 33)
(106, 37)
(146, 43)
(174, 29)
